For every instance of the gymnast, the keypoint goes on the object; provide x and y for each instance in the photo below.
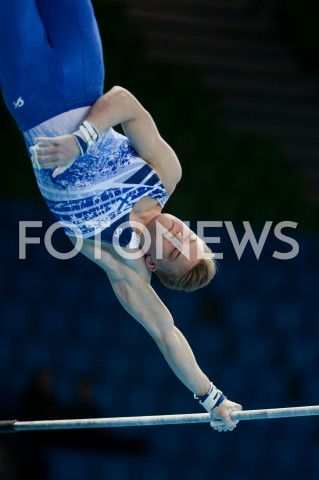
(105, 188)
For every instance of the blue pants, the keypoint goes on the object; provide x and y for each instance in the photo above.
(50, 58)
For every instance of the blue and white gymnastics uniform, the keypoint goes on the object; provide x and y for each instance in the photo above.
(97, 193)
(51, 73)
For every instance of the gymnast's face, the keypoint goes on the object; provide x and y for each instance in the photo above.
(173, 247)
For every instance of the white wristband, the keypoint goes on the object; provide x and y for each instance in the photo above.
(89, 133)
(94, 134)
(212, 399)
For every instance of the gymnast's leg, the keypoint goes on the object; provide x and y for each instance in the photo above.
(39, 77)
(28, 64)
(73, 32)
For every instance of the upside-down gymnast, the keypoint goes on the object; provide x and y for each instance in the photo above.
(105, 188)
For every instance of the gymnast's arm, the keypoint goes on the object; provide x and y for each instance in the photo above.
(118, 106)
(130, 281)
(140, 300)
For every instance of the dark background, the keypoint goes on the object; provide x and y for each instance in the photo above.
(234, 88)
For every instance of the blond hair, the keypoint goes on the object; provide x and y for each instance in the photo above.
(197, 277)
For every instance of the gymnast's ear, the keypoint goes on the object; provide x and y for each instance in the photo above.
(151, 266)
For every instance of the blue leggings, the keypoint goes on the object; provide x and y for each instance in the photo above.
(50, 58)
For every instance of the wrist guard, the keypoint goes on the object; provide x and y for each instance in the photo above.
(87, 136)
(212, 399)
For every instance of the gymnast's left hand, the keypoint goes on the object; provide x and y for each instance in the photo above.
(56, 152)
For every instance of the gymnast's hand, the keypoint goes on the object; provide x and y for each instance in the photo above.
(57, 152)
(221, 420)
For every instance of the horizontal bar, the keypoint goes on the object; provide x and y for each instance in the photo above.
(16, 426)
(270, 413)
(7, 426)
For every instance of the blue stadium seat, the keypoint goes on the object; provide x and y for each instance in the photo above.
(302, 353)
(244, 312)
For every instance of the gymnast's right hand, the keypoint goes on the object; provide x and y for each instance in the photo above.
(56, 152)
(221, 419)
(220, 409)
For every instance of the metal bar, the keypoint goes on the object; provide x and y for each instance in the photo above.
(266, 414)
